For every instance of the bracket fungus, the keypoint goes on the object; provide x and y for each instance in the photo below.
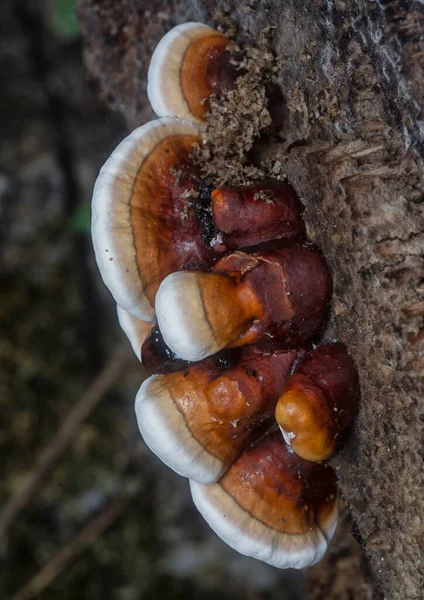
(198, 420)
(320, 401)
(281, 294)
(272, 505)
(236, 288)
(143, 226)
(188, 65)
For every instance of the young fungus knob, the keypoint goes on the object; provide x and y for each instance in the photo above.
(281, 295)
(136, 331)
(320, 401)
(272, 505)
(188, 65)
(197, 421)
(202, 313)
(144, 223)
(256, 214)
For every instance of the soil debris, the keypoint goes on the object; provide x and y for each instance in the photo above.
(237, 118)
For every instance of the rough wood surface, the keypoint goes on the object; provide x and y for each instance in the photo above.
(352, 74)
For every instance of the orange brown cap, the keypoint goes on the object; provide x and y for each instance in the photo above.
(281, 295)
(202, 313)
(272, 505)
(186, 68)
(197, 421)
(136, 331)
(144, 224)
(320, 401)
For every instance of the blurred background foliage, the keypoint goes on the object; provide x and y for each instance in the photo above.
(63, 20)
(58, 329)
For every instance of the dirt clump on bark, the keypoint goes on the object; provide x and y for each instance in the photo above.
(237, 118)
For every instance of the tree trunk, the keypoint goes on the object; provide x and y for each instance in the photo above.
(352, 73)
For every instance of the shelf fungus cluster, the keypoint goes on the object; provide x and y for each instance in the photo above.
(222, 298)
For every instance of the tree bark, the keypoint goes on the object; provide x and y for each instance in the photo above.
(353, 78)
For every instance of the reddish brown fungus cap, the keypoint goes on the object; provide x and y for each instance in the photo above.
(144, 223)
(255, 214)
(198, 420)
(283, 295)
(272, 505)
(319, 402)
(186, 68)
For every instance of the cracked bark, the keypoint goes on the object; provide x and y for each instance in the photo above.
(353, 76)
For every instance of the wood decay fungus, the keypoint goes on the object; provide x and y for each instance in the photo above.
(241, 400)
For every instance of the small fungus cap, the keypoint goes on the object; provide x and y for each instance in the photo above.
(135, 221)
(185, 71)
(256, 214)
(320, 401)
(201, 313)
